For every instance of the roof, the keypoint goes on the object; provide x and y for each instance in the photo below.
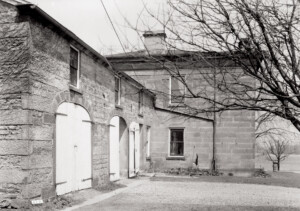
(16, 2)
(27, 8)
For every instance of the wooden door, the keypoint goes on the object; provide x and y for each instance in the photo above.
(134, 149)
(73, 148)
(114, 146)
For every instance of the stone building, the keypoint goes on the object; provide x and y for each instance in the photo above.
(70, 120)
(227, 137)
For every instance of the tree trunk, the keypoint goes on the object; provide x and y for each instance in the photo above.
(278, 164)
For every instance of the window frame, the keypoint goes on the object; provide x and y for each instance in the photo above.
(119, 90)
(78, 67)
(141, 102)
(170, 89)
(148, 138)
(169, 142)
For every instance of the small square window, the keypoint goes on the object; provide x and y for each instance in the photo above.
(176, 142)
(117, 91)
(74, 67)
(177, 90)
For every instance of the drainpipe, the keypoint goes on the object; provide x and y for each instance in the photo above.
(213, 161)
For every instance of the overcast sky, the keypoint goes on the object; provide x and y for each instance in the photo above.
(88, 20)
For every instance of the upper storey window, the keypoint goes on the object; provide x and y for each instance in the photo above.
(74, 67)
(177, 90)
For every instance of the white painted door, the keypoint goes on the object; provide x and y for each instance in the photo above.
(134, 149)
(84, 150)
(73, 148)
(114, 148)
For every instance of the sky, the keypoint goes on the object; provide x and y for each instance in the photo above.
(88, 20)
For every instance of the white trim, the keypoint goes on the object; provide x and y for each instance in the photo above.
(169, 142)
(78, 69)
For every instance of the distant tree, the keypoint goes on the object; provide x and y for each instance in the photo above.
(276, 150)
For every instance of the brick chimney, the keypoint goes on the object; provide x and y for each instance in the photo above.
(155, 41)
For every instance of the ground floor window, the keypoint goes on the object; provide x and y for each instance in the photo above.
(176, 142)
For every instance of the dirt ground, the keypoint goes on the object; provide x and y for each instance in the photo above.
(224, 193)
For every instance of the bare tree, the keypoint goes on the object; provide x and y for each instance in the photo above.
(261, 37)
(276, 150)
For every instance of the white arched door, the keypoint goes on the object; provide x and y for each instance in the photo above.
(114, 147)
(134, 149)
(73, 149)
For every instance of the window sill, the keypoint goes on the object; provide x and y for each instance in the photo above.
(74, 89)
(148, 158)
(119, 107)
(175, 158)
(141, 115)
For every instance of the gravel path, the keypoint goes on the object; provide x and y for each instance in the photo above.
(164, 195)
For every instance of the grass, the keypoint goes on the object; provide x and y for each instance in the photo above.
(284, 179)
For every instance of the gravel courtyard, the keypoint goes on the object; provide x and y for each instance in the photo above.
(196, 195)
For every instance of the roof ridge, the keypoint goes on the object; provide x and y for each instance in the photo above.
(16, 2)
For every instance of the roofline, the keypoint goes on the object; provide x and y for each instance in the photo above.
(23, 7)
(26, 7)
(184, 114)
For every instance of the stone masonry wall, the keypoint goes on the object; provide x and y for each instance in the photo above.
(34, 80)
(49, 87)
(197, 140)
(15, 118)
(235, 129)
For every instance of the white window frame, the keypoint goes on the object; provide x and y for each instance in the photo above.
(78, 69)
(169, 142)
(148, 131)
(170, 89)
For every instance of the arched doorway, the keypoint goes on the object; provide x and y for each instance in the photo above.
(118, 148)
(73, 148)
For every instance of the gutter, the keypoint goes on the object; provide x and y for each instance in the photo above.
(184, 114)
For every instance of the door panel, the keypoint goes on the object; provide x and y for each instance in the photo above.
(134, 149)
(114, 149)
(73, 148)
(131, 169)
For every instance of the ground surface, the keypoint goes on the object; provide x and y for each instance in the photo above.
(196, 194)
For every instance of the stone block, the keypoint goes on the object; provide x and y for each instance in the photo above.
(13, 176)
(14, 147)
(42, 132)
(15, 117)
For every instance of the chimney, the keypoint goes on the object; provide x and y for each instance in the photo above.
(155, 41)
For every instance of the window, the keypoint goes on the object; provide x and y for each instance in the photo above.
(141, 102)
(176, 142)
(177, 90)
(148, 142)
(117, 91)
(74, 67)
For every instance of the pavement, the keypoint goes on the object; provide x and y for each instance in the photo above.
(144, 194)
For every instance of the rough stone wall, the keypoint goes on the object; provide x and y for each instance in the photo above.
(34, 78)
(15, 118)
(49, 87)
(197, 140)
